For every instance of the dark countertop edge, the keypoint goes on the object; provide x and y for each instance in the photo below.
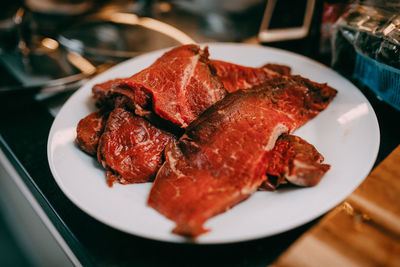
(52, 215)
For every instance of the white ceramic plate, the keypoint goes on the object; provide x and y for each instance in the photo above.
(346, 133)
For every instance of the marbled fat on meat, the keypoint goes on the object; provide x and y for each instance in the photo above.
(178, 86)
(279, 68)
(296, 161)
(223, 156)
(235, 77)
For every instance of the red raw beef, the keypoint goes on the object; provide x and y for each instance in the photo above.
(89, 130)
(178, 86)
(101, 91)
(281, 69)
(223, 156)
(128, 94)
(295, 160)
(130, 148)
(235, 77)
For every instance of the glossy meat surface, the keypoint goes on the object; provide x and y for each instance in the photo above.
(223, 156)
(101, 91)
(178, 86)
(130, 148)
(235, 77)
(281, 69)
(313, 97)
(295, 160)
(89, 130)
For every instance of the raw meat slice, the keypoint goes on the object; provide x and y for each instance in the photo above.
(178, 86)
(223, 156)
(281, 69)
(295, 160)
(130, 148)
(314, 97)
(196, 75)
(107, 96)
(245, 73)
(89, 130)
(235, 77)
(100, 92)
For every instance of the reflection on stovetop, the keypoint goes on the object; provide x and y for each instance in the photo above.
(48, 39)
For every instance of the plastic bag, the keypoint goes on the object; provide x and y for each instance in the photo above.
(366, 48)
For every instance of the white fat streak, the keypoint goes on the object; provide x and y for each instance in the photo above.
(147, 143)
(302, 165)
(104, 164)
(246, 84)
(127, 161)
(172, 163)
(187, 74)
(118, 150)
(250, 189)
(146, 77)
(147, 131)
(226, 166)
(276, 132)
(211, 93)
(188, 71)
(296, 178)
(290, 116)
(178, 115)
(180, 120)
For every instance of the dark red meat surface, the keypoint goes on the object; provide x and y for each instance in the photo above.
(223, 156)
(89, 130)
(281, 69)
(294, 160)
(178, 86)
(235, 77)
(101, 91)
(130, 148)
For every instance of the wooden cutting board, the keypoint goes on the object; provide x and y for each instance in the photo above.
(362, 231)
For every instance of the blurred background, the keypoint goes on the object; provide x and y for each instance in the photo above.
(57, 43)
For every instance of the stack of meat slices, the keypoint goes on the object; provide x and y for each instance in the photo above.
(209, 132)
(140, 115)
